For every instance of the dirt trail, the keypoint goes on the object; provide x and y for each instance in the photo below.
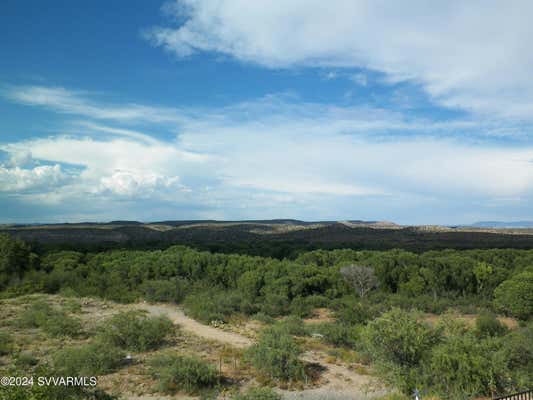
(204, 331)
(341, 383)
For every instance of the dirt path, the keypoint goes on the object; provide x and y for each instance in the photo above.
(340, 382)
(177, 316)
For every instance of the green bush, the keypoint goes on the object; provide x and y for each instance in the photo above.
(54, 322)
(263, 393)
(337, 334)
(135, 331)
(98, 358)
(463, 367)
(487, 325)
(399, 343)
(276, 355)
(171, 291)
(35, 315)
(212, 305)
(6, 343)
(293, 325)
(515, 295)
(262, 317)
(517, 351)
(352, 311)
(25, 360)
(181, 373)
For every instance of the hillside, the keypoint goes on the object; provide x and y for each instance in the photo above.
(297, 234)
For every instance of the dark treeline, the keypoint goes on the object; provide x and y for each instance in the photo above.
(432, 281)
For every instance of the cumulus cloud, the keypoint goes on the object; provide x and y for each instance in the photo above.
(463, 57)
(41, 178)
(139, 184)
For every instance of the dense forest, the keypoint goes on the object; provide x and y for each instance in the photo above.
(378, 299)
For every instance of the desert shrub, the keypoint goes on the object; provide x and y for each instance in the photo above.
(172, 290)
(25, 360)
(212, 305)
(487, 325)
(6, 343)
(276, 355)
(293, 325)
(515, 296)
(35, 315)
(260, 393)
(303, 306)
(275, 304)
(517, 351)
(54, 322)
(462, 367)
(352, 311)
(337, 334)
(398, 343)
(135, 331)
(60, 324)
(97, 358)
(262, 317)
(181, 373)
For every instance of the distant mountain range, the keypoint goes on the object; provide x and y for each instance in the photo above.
(502, 224)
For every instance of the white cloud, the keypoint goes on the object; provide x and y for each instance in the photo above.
(472, 55)
(139, 184)
(41, 178)
(275, 157)
(79, 103)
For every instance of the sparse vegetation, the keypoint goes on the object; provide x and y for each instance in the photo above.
(182, 373)
(276, 355)
(91, 359)
(136, 332)
(262, 393)
(6, 343)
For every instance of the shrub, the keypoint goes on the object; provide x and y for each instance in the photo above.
(137, 332)
(293, 325)
(188, 374)
(262, 317)
(98, 358)
(6, 343)
(462, 367)
(487, 325)
(398, 343)
(351, 311)
(52, 321)
(276, 355)
(62, 325)
(515, 295)
(517, 351)
(35, 315)
(212, 305)
(25, 360)
(262, 393)
(164, 290)
(337, 334)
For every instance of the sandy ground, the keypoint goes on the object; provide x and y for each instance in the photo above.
(340, 382)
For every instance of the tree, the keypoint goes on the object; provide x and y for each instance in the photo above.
(361, 278)
(482, 272)
(515, 295)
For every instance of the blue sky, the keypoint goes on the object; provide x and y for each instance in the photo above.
(229, 109)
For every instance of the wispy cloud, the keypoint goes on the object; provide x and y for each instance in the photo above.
(80, 103)
(464, 58)
(274, 156)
